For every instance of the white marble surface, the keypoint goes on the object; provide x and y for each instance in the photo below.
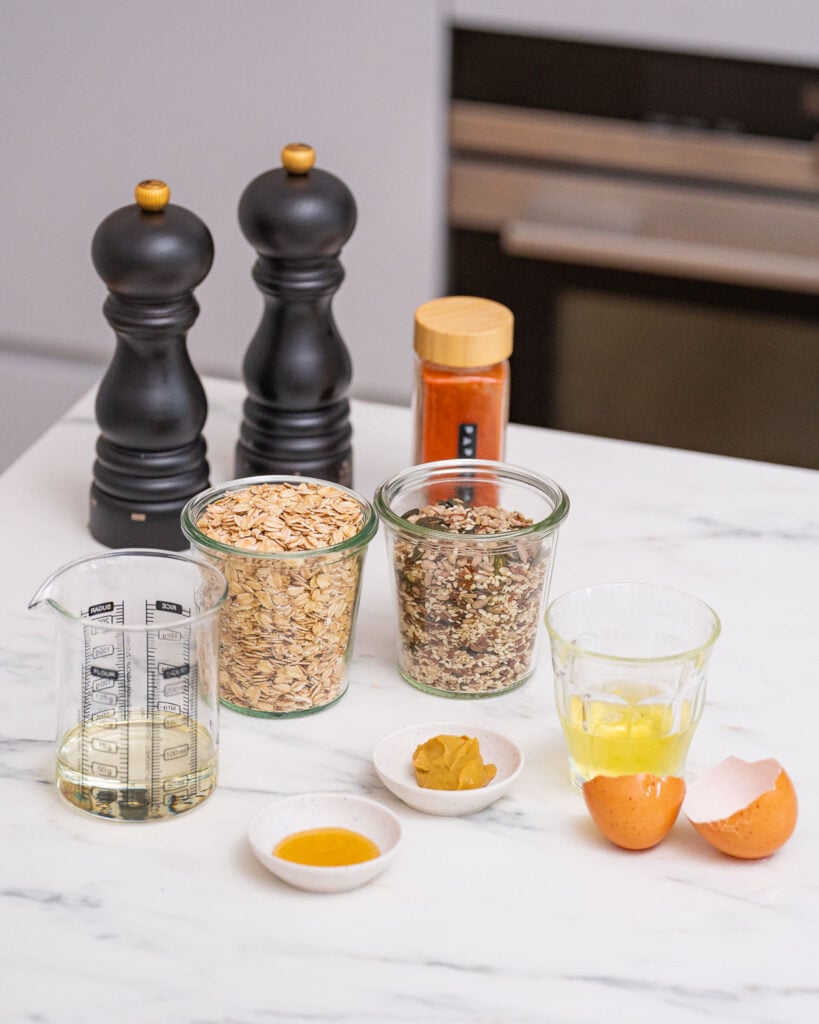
(522, 913)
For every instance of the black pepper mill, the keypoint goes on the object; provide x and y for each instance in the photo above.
(297, 369)
(151, 405)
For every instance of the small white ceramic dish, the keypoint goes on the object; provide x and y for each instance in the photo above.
(277, 820)
(392, 759)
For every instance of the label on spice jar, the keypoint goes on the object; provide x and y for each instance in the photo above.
(467, 440)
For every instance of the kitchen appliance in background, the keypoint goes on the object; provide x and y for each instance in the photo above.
(652, 219)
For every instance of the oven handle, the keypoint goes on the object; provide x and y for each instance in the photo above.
(604, 247)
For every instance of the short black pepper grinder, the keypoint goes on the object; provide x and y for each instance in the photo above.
(297, 369)
(151, 405)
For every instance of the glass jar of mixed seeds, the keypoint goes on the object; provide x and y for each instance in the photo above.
(292, 550)
(471, 544)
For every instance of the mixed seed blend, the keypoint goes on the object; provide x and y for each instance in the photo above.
(468, 609)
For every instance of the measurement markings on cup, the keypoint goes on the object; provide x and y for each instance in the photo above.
(105, 693)
(172, 694)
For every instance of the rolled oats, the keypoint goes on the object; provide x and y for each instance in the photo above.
(286, 626)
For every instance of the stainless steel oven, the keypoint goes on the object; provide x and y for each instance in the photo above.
(652, 219)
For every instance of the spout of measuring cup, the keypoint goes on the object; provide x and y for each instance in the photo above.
(40, 598)
(45, 595)
(55, 592)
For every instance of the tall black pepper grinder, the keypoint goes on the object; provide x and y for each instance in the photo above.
(151, 405)
(297, 369)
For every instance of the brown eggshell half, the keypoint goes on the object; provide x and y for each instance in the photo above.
(746, 809)
(634, 811)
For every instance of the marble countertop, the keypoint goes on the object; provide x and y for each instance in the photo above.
(521, 913)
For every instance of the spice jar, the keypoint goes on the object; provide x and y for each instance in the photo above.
(292, 550)
(461, 395)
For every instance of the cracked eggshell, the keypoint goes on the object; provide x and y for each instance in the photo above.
(634, 811)
(746, 809)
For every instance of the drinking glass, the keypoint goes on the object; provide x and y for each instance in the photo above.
(630, 663)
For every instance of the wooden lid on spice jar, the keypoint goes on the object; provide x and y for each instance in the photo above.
(460, 330)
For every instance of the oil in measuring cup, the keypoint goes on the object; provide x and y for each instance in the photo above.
(138, 728)
(143, 762)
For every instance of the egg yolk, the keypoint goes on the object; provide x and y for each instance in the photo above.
(326, 847)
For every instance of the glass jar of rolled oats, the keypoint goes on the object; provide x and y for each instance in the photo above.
(472, 545)
(292, 550)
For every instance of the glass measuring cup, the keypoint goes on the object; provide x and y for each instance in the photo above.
(137, 667)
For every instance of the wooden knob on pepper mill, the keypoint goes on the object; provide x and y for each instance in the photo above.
(152, 194)
(298, 157)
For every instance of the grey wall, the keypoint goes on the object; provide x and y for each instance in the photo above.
(98, 94)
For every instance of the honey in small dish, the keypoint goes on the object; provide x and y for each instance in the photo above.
(326, 847)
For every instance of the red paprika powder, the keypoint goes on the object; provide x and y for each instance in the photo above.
(461, 393)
